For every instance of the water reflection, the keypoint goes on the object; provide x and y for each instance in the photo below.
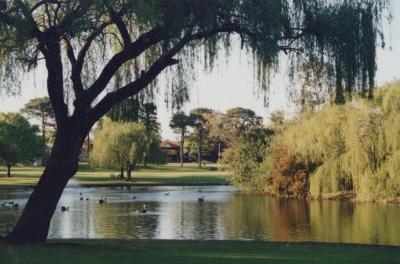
(225, 214)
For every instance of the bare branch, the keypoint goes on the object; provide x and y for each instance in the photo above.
(75, 75)
(119, 22)
(70, 51)
(130, 52)
(40, 3)
(82, 53)
(130, 89)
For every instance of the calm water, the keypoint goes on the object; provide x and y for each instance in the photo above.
(225, 214)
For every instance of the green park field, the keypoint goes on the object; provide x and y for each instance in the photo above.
(190, 252)
(170, 174)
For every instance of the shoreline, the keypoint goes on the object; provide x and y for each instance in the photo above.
(118, 185)
(78, 241)
(340, 196)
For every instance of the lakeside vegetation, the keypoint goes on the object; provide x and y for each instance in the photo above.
(152, 175)
(158, 251)
(340, 150)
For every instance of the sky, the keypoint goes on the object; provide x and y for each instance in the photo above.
(232, 83)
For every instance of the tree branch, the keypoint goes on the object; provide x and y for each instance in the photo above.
(82, 53)
(75, 75)
(32, 24)
(40, 3)
(130, 52)
(163, 62)
(70, 51)
(119, 22)
(130, 89)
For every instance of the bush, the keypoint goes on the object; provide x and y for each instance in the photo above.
(244, 157)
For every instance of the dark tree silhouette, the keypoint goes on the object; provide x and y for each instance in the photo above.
(127, 44)
(180, 121)
(198, 122)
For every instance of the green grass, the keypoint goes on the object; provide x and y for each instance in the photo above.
(190, 252)
(152, 175)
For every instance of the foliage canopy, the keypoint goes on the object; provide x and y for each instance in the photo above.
(341, 34)
(19, 142)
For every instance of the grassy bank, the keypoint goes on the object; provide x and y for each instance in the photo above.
(151, 175)
(156, 251)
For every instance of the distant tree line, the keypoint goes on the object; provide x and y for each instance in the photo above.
(205, 133)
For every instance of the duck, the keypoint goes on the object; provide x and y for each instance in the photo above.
(101, 201)
(87, 199)
(167, 193)
(81, 198)
(64, 209)
(134, 197)
(16, 205)
(201, 199)
(144, 209)
(8, 204)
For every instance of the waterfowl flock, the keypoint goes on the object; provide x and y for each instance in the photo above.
(11, 204)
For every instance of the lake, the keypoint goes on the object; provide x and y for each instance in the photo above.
(225, 214)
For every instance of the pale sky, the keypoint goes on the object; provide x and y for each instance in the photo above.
(231, 84)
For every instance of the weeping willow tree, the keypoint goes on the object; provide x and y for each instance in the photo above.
(98, 53)
(354, 147)
(119, 144)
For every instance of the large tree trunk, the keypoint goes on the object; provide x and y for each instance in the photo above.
(33, 225)
(8, 170)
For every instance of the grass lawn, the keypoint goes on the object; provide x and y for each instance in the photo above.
(187, 252)
(153, 174)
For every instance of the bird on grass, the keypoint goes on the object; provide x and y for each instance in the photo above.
(201, 199)
(144, 209)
